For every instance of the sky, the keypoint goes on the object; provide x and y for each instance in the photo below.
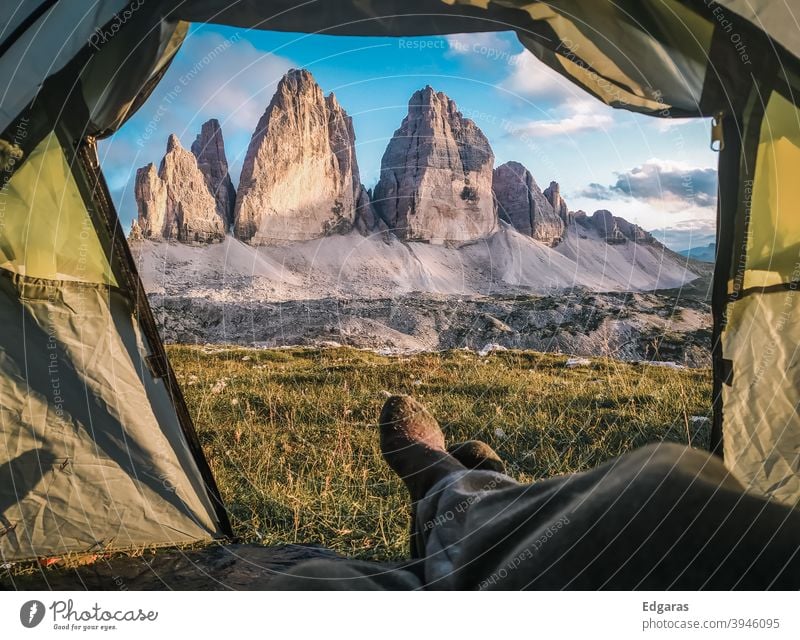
(658, 173)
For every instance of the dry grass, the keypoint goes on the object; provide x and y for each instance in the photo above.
(291, 434)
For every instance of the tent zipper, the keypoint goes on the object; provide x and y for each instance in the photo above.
(716, 131)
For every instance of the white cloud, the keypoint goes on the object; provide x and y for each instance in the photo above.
(569, 110)
(489, 44)
(580, 115)
(687, 234)
(570, 125)
(675, 185)
(234, 86)
(533, 80)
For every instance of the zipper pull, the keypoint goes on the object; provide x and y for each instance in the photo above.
(716, 131)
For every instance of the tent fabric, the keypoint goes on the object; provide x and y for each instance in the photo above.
(45, 47)
(60, 246)
(668, 81)
(93, 457)
(769, 16)
(762, 338)
(772, 252)
(760, 331)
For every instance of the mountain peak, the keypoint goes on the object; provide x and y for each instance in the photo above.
(436, 175)
(173, 142)
(300, 176)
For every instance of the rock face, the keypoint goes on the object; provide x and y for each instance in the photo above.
(521, 203)
(367, 222)
(436, 175)
(209, 149)
(300, 181)
(151, 200)
(136, 231)
(553, 195)
(615, 230)
(300, 176)
(175, 203)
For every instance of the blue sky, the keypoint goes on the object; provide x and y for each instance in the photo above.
(657, 173)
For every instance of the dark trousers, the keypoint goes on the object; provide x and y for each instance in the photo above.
(661, 517)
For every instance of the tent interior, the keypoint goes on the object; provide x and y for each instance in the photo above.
(99, 449)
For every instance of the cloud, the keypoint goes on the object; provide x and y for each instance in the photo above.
(580, 115)
(532, 79)
(567, 109)
(597, 191)
(491, 44)
(576, 123)
(687, 235)
(217, 76)
(662, 181)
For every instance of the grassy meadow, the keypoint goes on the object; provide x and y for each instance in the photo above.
(291, 434)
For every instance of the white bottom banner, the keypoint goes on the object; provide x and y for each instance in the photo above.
(386, 616)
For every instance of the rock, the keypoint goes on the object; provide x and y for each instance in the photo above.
(436, 175)
(136, 231)
(553, 195)
(617, 230)
(151, 201)
(491, 348)
(367, 221)
(634, 232)
(300, 176)
(521, 203)
(606, 225)
(191, 211)
(175, 203)
(209, 149)
(572, 363)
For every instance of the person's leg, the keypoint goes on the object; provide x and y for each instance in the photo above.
(662, 517)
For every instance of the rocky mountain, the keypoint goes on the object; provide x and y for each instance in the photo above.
(613, 229)
(521, 203)
(436, 175)
(300, 176)
(445, 251)
(209, 149)
(175, 202)
(300, 181)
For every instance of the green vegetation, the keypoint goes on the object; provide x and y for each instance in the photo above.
(291, 434)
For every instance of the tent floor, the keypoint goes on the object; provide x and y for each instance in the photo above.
(217, 567)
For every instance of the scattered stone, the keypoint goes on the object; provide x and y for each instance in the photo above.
(577, 362)
(491, 347)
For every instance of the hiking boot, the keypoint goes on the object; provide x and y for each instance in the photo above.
(413, 445)
(476, 454)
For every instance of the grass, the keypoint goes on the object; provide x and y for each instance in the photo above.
(291, 434)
